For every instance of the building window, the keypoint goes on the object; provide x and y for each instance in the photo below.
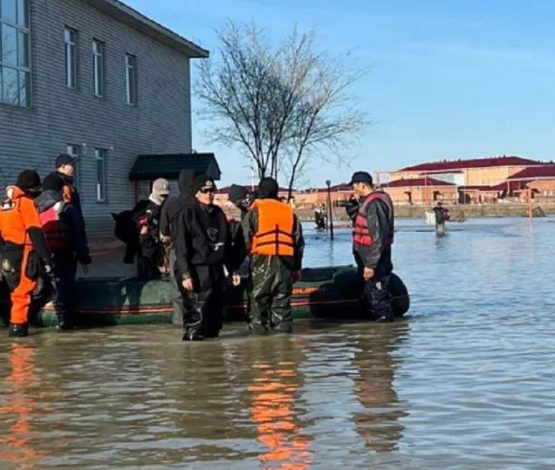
(73, 151)
(15, 70)
(98, 67)
(131, 78)
(100, 159)
(70, 40)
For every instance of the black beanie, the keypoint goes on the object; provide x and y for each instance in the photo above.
(237, 193)
(267, 188)
(202, 180)
(53, 182)
(28, 180)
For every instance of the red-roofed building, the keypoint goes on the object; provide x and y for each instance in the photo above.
(474, 172)
(419, 190)
(540, 179)
(476, 180)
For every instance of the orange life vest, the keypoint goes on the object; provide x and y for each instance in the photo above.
(274, 236)
(361, 232)
(17, 215)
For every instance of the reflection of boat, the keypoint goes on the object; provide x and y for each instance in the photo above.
(332, 292)
(430, 217)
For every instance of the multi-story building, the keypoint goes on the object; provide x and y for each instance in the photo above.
(95, 79)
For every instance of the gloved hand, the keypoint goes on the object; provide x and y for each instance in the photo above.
(49, 271)
(352, 207)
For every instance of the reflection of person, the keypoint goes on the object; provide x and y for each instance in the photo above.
(201, 250)
(272, 396)
(274, 237)
(23, 247)
(372, 240)
(441, 216)
(378, 424)
(20, 409)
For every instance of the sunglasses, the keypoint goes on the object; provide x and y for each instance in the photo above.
(207, 190)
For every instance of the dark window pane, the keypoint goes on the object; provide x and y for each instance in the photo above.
(22, 13)
(10, 87)
(24, 89)
(9, 45)
(7, 10)
(23, 50)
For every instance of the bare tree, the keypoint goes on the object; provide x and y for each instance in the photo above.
(280, 104)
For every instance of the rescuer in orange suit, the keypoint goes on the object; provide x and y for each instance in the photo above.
(23, 246)
(274, 239)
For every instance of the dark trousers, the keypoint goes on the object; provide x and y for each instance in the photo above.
(176, 294)
(376, 298)
(203, 307)
(65, 270)
(270, 290)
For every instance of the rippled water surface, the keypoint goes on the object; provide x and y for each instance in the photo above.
(465, 381)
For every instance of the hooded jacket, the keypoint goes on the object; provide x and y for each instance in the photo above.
(174, 205)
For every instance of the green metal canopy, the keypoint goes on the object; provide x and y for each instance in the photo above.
(149, 167)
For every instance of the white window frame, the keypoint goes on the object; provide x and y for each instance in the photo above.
(131, 79)
(98, 51)
(23, 71)
(100, 179)
(74, 151)
(70, 44)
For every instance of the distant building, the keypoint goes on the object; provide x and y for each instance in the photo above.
(474, 180)
(95, 79)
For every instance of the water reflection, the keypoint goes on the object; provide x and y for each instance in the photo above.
(18, 407)
(273, 393)
(379, 423)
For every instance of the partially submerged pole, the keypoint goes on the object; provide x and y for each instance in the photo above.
(330, 211)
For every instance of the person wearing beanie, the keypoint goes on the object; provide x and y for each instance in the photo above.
(274, 239)
(202, 249)
(152, 261)
(23, 248)
(65, 169)
(67, 241)
(372, 240)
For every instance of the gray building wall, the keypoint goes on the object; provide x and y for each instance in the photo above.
(159, 123)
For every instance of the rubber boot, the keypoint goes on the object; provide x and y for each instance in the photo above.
(18, 330)
(65, 322)
(192, 334)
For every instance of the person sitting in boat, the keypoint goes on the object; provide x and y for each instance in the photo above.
(441, 216)
(274, 238)
(67, 241)
(372, 241)
(202, 246)
(146, 214)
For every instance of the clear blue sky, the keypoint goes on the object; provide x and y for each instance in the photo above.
(446, 79)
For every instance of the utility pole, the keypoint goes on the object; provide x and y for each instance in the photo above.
(330, 211)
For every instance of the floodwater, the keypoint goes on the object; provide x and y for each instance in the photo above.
(465, 381)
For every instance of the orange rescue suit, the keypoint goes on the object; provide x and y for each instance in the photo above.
(274, 235)
(17, 215)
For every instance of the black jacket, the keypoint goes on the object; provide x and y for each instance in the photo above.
(201, 237)
(174, 205)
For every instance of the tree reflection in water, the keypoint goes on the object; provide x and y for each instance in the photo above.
(18, 407)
